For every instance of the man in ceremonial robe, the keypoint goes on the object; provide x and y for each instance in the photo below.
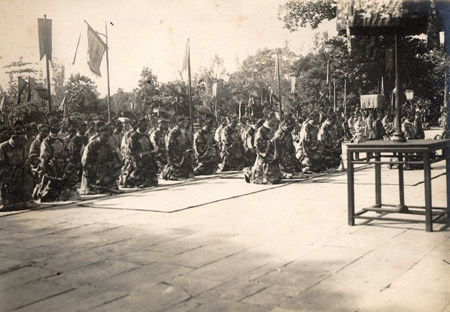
(100, 171)
(15, 174)
(144, 171)
(59, 174)
(206, 153)
(158, 139)
(179, 153)
(331, 141)
(284, 141)
(266, 169)
(310, 153)
(232, 152)
(34, 157)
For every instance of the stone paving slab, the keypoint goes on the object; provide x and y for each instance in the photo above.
(93, 297)
(282, 248)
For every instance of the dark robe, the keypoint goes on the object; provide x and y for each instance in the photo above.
(59, 174)
(179, 158)
(15, 175)
(266, 169)
(144, 168)
(232, 153)
(206, 154)
(100, 171)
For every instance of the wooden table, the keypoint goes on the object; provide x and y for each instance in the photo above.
(413, 153)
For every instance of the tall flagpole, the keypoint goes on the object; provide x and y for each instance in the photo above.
(345, 97)
(334, 95)
(189, 88)
(108, 98)
(279, 85)
(47, 64)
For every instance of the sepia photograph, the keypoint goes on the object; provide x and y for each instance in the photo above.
(225, 155)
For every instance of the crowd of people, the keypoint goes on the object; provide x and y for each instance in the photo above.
(57, 161)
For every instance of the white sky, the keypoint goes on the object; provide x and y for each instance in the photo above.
(150, 33)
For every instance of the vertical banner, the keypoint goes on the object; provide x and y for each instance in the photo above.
(31, 85)
(45, 38)
(293, 84)
(2, 105)
(62, 105)
(214, 89)
(328, 71)
(22, 85)
(96, 49)
(186, 58)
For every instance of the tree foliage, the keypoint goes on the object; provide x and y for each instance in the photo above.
(82, 96)
(300, 13)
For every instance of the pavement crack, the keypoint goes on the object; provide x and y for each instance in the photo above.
(17, 267)
(413, 265)
(42, 299)
(357, 259)
(257, 292)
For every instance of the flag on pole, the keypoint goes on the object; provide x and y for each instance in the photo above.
(42, 92)
(187, 55)
(62, 106)
(328, 71)
(293, 85)
(22, 85)
(214, 89)
(45, 38)
(3, 105)
(31, 85)
(96, 49)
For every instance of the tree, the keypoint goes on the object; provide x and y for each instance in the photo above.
(256, 77)
(27, 110)
(215, 73)
(82, 96)
(300, 13)
(147, 90)
(121, 101)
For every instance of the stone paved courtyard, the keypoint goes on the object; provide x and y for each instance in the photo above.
(219, 244)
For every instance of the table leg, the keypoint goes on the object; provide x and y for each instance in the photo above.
(401, 185)
(427, 183)
(378, 181)
(447, 165)
(350, 188)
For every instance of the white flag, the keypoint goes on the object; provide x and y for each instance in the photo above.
(2, 105)
(61, 106)
(214, 89)
(186, 60)
(96, 49)
(292, 85)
